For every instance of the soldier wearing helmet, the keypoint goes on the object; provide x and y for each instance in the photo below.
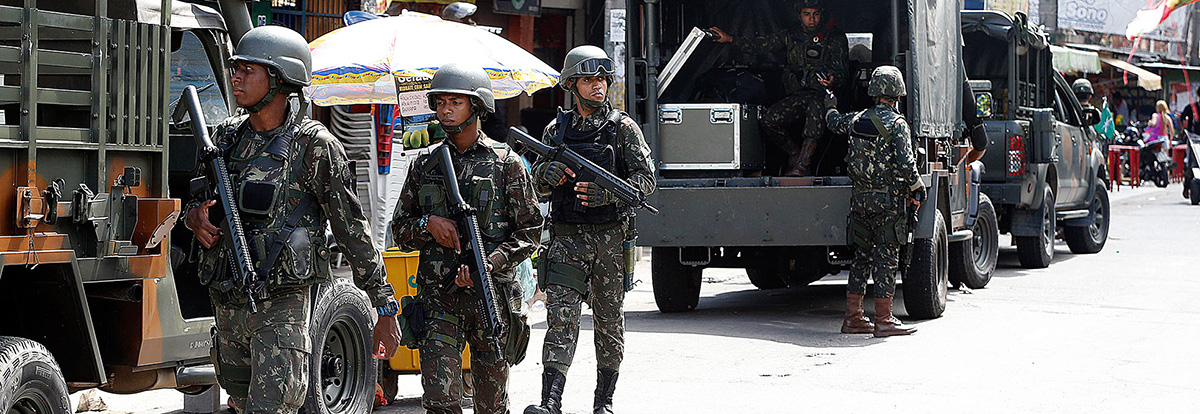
(816, 59)
(591, 235)
(290, 179)
(496, 183)
(883, 170)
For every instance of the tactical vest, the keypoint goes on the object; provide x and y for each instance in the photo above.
(268, 197)
(872, 154)
(600, 147)
(483, 188)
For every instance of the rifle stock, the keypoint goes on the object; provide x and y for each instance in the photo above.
(244, 276)
(584, 169)
(473, 254)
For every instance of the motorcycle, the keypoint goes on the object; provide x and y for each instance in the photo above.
(1155, 165)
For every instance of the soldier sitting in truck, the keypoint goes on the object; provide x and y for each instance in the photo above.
(816, 59)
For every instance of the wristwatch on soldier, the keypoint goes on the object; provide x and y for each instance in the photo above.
(390, 309)
(422, 222)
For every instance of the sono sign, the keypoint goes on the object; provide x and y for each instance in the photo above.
(1111, 16)
(518, 6)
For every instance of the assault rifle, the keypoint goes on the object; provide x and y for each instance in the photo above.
(473, 254)
(233, 237)
(584, 169)
(910, 213)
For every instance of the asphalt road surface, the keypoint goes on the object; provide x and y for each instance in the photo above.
(1113, 332)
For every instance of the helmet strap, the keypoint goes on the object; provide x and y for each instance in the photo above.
(594, 104)
(455, 129)
(270, 96)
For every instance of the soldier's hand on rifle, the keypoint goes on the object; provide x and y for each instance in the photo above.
(824, 80)
(592, 195)
(464, 276)
(205, 231)
(445, 231)
(556, 173)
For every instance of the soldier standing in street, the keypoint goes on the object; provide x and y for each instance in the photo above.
(290, 177)
(816, 60)
(587, 258)
(883, 170)
(493, 180)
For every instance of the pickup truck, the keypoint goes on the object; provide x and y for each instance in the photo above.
(1046, 164)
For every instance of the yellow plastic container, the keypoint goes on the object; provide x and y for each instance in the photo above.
(402, 274)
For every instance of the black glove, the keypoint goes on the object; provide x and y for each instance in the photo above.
(596, 196)
(553, 173)
(830, 100)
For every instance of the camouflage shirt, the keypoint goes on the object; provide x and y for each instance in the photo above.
(635, 152)
(494, 181)
(809, 53)
(878, 162)
(268, 187)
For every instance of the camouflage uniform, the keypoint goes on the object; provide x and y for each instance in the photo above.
(810, 52)
(884, 174)
(589, 255)
(493, 180)
(271, 173)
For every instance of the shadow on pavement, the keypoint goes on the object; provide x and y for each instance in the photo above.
(809, 316)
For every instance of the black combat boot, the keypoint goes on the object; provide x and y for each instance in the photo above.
(606, 384)
(552, 391)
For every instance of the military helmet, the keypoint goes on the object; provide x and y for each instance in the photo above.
(585, 61)
(463, 79)
(280, 49)
(1082, 86)
(886, 81)
(809, 4)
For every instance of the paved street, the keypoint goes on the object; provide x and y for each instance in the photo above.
(1111, 332)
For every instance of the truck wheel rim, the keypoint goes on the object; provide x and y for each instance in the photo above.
(982, 246)
(341, 356)
(31, 403)
(1100, 217)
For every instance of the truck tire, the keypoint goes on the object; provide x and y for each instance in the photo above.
(1195, 191)
(765, 278)
(1091, 238)
(30, 380)
(1036, 252)
(676, 287)
(927, 280)
(972, 262)
(342, 369)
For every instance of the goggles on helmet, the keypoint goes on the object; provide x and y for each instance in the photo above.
(594, 67)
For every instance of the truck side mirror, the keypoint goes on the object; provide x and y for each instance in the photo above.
(1091, 116)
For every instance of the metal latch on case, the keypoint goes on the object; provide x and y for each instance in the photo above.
(720, 116)
(670, 116)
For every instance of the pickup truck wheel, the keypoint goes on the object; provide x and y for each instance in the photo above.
(341, 370)
(1195, 191)
(1036, 252)
(765, 278)
(30, 380)
(972, 262)
(676, 286)
(927, 280)
(1091, 238)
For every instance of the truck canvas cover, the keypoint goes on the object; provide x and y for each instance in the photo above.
(934, 75)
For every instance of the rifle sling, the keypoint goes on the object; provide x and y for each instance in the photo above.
(883, 132)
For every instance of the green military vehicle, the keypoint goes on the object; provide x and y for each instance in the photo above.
(1048, 170)
(723, 204)
(96, 285)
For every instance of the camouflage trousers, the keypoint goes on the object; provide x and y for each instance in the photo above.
(807, 107)
(451, 322)
(878, 215)
(273, 344)
(595, 253)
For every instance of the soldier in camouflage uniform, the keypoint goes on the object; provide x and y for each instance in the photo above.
(816, 59)
(591, 231)
(883, 169)
(493, 180)
(284, 169)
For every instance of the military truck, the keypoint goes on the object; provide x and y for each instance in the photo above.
(96, 285)
(1047, 164)
(722, 203)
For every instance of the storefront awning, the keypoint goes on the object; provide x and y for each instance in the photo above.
(1146, 79)
(1074, 60)
(1167, 66)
